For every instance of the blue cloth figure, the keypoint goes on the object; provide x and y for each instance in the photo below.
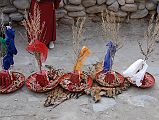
(108, 61)
(11, 49)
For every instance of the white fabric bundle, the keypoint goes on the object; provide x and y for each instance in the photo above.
(136, 71)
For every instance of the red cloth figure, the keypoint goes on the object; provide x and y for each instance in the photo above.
(47, 9)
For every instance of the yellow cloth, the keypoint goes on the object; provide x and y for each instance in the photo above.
(85, 52)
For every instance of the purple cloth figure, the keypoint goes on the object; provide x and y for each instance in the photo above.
(108, 61)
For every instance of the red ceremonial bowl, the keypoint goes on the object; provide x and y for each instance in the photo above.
(11, 82)
(42, 81)
(109, 79)
(147, 82)
(76, 82)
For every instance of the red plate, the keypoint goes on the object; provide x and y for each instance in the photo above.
(147, 82)
(10, 83)
(72, 83)
(109, 79)
(43, 82)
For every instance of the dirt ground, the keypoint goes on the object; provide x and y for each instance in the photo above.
(134, 104)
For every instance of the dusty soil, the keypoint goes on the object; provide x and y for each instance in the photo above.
(134, 104)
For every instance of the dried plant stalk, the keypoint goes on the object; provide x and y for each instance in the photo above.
(35, 29)
(111, 28)
(147, 46)
(77, 34)
(33, 24)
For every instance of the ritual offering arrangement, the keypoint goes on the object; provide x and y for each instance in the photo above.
(77, 81)
(10, 80)
(43, 80)
(137, 73)
(138, 76)
(107, 77)
(109, 83)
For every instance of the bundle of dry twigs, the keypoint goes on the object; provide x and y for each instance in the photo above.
(111, 28)
(32, 24)
(151, 35)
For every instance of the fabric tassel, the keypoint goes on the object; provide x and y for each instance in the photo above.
(85, 52)
(108, 61)
(136, 71)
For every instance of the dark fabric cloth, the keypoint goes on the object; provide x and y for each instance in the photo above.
(47, 8)
(11, 49)
(108, 61)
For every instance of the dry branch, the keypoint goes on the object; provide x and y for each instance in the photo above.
(147, 46)
(32, 24)
(111, 28)
(77, 34)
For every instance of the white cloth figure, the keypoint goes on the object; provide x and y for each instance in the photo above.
(136, 71)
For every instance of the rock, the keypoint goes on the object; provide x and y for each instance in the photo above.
(129, 7)
(75, 2)
(104, 104)
(141, 5)
(139, 14)
(5, 18)
(129, 1)
(99, 2)
(95, 19)
(88, 3)
(67, 20)
(114, 7)
(16, 17)
(158, 8)
(9, 9)
(22, 12)
(109, 2)
(121, 2)
(60, 13)
(95, 9)
(73, 8)
(77, 14)
(150, 5)
(21, 4)
(11, 1)
(121, 13)
(4, 3)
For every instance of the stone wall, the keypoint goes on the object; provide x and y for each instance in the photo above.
(134, 9)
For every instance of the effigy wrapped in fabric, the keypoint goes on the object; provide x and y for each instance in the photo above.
(10, 81)
(100, 90)
(138, 76)
(43, 80)
(77, 81)
(107, 77)
(108, 83)
(137, 72)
